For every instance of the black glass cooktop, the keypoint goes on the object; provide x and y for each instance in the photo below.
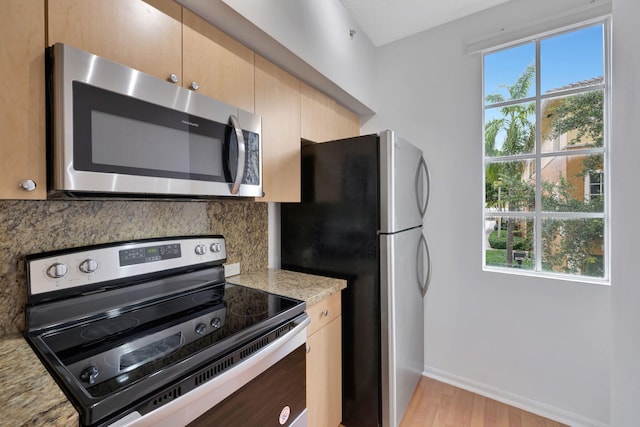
(166, 329)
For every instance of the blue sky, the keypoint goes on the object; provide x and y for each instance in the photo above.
(564, 59)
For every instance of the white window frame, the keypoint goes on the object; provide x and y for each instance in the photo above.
(537, 215)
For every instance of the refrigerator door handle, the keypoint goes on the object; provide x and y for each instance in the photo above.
(423, 170)
(423, 247)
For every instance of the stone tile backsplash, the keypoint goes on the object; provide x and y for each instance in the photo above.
(28, 227)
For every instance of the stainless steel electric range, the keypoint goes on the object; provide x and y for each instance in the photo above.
(149, 333)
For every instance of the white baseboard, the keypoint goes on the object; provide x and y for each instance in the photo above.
(515, 400)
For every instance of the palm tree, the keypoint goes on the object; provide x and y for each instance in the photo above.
(519, 137)
(519, 131)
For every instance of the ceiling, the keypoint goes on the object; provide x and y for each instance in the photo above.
(385, 21)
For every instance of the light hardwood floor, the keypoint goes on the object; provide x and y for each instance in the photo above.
(436, 404)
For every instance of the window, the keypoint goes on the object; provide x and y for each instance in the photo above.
(545, 155)
(593, 184)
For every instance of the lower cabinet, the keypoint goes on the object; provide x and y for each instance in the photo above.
(324, 363)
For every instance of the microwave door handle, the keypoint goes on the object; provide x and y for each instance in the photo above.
(242, 148)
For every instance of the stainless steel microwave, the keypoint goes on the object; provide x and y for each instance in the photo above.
(117, 131)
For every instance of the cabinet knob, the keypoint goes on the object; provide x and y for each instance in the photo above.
(28, 184)
(173, 78)
(325, 312)
(308, 348)
(194, 86)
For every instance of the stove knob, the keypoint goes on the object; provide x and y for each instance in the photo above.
(201, 250)
(88, 265)
(216, 322)
(215, 247)
(201, 328)
(57, 270)
(89, 375)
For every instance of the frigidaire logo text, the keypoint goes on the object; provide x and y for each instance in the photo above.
(190, 123)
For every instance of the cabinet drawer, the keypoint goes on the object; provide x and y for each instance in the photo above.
(323, 312)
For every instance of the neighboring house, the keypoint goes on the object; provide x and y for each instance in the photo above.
(583, 185)
(575, 178)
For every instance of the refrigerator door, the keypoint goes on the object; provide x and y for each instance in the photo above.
(404, 184)
(402, 285)
(333, 232)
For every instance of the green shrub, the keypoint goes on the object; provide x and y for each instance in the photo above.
(519, 243)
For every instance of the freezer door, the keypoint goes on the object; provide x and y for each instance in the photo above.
(404, 184)
(404, 276)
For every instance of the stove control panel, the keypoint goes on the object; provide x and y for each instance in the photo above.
(95, 264)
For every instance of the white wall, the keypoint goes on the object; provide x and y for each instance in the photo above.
(626, 237)
(542, 344)
(308, 38)
(318, 32)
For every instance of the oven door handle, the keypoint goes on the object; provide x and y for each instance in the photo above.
(193, 404)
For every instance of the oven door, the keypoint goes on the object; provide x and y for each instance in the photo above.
(267, 389)
(117, 130)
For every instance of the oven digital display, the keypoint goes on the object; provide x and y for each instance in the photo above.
(149, 254)
(151, 351)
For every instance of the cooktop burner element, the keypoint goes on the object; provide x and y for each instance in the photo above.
(103, 330)
(146, 315)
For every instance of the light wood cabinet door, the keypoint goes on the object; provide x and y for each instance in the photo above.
(324, 375)
(323, 119)
(146, 36)
(278, 102)
(323, 312)
(22, 105)
(347, 123)
(316, 114)
(222, 67)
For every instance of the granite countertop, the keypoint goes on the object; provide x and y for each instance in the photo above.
(31, 397)
(306, 287)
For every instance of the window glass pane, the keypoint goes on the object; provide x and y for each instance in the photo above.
(510, 74)
(573, 246)
(510, 130)
(509, 235)
(573, 122)
(510, 186)
(571, 58)
(572, 183)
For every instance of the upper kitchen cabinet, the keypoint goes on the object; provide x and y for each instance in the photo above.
(217, 65)
(22, 105)
(278, 102)
(146, 36)
(347, 123)
(323, 119)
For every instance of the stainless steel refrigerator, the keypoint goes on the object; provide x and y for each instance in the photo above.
(363, 202)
